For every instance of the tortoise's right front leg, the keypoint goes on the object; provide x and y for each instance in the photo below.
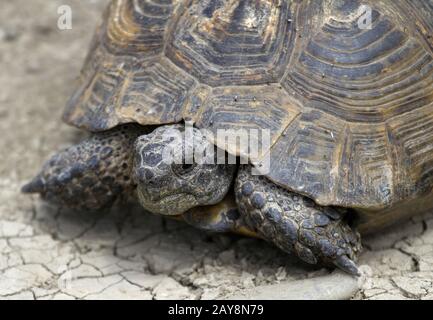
(92, 174)
(296, 224)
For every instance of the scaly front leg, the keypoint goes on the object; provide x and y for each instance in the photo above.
(92, 174)
(296, 224)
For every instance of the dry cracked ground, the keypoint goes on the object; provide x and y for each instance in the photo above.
(47, 252)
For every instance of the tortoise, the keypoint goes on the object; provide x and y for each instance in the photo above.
(347, 109)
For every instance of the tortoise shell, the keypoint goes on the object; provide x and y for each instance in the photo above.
(349, 109)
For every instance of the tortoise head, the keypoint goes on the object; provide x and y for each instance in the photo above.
(169, 181)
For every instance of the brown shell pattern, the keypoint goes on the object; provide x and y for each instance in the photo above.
(350, 110)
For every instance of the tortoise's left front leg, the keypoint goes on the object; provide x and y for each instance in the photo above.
(296, 224)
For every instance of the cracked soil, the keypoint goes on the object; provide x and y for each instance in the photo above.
(47, 252)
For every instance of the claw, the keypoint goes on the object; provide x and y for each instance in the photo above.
(347, 265)
(37, 185)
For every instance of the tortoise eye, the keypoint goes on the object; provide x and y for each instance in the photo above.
(183, 169)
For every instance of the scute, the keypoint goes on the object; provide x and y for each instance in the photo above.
(232, 42)
(349, 110)
(126, 78)
(364, 138)
(236, 112)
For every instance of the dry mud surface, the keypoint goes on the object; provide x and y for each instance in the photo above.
(47, 252)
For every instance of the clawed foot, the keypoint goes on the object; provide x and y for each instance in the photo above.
(296, 224)
(92, 174)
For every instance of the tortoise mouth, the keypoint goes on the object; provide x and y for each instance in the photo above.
(174, 197)
(169, 204)
(167, 196)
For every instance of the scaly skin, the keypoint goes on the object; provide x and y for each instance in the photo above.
(109, 165)
(296, 224)
(96, 172)
(92, 174)
(169, 187)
